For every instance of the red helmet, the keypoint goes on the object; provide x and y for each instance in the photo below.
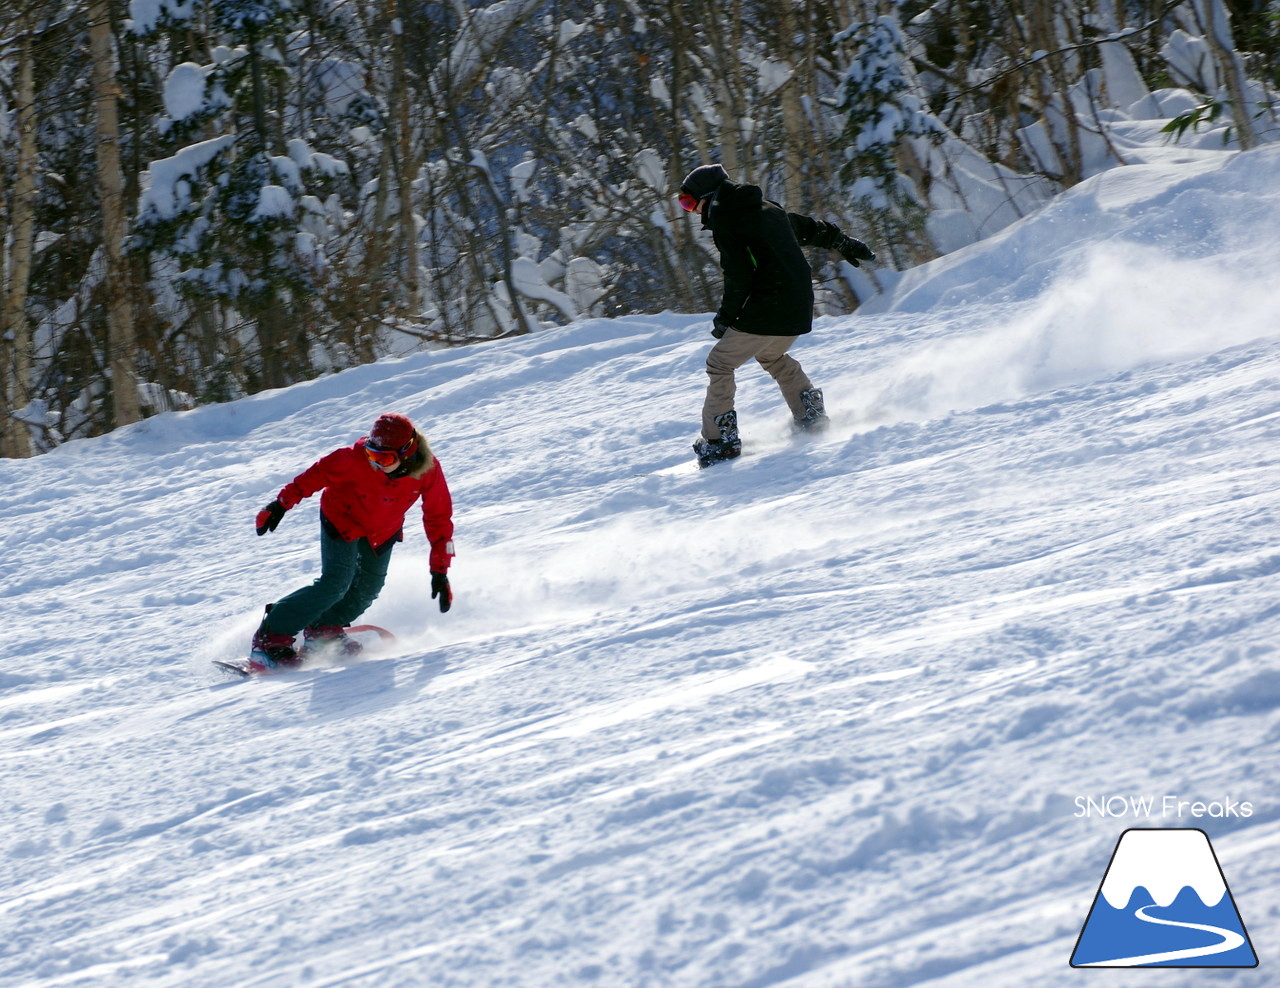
(392, 438)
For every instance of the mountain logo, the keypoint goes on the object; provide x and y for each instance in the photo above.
(1164, 902)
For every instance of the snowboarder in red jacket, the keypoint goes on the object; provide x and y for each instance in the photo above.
(368, 489)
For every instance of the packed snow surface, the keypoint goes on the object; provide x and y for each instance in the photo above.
(868, 708)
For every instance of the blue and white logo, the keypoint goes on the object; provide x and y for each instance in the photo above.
(1164, 902)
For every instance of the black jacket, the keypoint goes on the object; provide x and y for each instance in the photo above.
(768, 285)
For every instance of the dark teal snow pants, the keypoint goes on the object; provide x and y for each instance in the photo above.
(351, 577)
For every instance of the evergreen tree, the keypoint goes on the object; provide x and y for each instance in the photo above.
(238, 208)
(882, 107)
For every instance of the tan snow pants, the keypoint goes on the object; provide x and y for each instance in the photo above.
(733, 350)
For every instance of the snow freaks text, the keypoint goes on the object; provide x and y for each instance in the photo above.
(1169, 807)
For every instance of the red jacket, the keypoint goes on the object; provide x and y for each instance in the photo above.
(360, 501)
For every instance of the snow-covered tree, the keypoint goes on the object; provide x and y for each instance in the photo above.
(237, 211)
(883, 107)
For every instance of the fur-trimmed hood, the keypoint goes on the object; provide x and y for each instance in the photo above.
(420, 463)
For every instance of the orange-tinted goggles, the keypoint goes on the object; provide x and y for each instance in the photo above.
(687, 202)
(385, 457)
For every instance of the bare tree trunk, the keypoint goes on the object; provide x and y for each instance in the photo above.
(10, 428)
(794, 123)
(121, 343)
(736, 154)
(506, 240)
(679, 167)
(281, 355)
(723, 76)
(15, 325)
(1041, 17)
(1212, 18)
(675, 124)
(404, 165)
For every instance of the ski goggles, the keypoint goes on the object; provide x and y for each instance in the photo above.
(687, 202)
(385, 456)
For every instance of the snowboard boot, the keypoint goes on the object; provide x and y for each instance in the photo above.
(270, 651)
(726, 447)
(273, 652)
(815, 412)
(330, 639)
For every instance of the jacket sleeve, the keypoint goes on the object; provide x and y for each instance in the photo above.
(437, 518)
(316, 477)
(813, 233)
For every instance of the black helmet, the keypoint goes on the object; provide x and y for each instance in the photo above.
(704, 180)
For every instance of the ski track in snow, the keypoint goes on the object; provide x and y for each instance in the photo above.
(817, 716)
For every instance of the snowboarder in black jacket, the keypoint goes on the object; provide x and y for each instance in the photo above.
(767, 302)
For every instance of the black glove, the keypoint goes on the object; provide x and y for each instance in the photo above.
(440, 588)
(269, 517)
(718, 327)
(852, 250)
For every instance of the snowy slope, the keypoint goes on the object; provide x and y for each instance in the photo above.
(820, 716)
